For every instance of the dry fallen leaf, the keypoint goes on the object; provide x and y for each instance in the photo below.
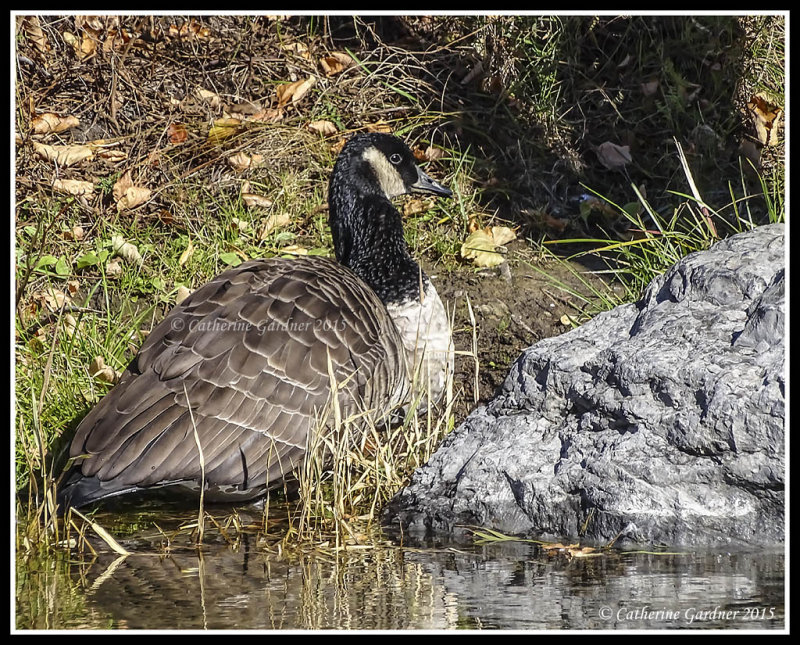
(75, 233)
(102, 372)
(503, 235)
(242, 161)
(121, 185)
(584, 552)
(380, 126)
(473, 223)
(271, 223)
(270, 115)
(568, 321)
(557, 546)
(113, 268)
(63, 155)
(571, 550)
(177, 133)
(222, 129)
(433, 154)
(88, 46)
(428, 154)
(254, 200)
(70, 325)
(294, 249)
(335, 63)
(28, 312)
(187, 253)
(127, 195)
(51, 122)
(650, 87)
(71, 39)
(166, 217)
(84, 46)
(244, 110)
(239, 225)
(613, 156)
(766, 117)
(33, 32)
(73, 187)
(299, 48)
(239, 162)
(337, 146)
(92, 24)
(52, 299)
(125, 250)
(207, 96)
(181, 294)
(133, 197)
(325, 128)
(73, 285)
(483, 248)
(589, 204)
(293, 92)
(111, 155)
(115, 38)
(189, 30)
(416, 205)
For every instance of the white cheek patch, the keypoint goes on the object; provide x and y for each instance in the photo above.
(390, 180)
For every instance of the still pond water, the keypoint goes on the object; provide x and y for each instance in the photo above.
(240, 584)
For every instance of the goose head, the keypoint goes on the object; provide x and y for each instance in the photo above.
(382, 165)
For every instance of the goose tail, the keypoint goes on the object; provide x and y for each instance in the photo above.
(79, 490)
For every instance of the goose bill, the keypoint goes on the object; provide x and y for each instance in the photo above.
(425, 184)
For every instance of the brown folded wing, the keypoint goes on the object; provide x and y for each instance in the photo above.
(249, 352)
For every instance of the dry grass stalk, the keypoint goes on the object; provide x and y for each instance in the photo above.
(200, 510)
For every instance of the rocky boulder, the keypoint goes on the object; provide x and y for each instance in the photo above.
(657, 422)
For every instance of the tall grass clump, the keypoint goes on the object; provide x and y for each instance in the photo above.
(356, 461)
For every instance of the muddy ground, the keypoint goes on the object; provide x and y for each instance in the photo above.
(514, 306)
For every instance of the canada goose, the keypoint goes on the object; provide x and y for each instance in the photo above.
(245, 359)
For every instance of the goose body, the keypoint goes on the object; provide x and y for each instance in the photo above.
(244, 365)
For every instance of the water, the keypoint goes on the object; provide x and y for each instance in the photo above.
(166, 584)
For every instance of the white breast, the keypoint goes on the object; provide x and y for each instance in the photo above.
(425, 330)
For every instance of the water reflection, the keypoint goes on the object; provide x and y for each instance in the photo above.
(515, 586)
(499, 586)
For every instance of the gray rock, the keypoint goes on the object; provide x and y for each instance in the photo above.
(660, 421)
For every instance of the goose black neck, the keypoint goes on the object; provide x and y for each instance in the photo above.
(368, 238)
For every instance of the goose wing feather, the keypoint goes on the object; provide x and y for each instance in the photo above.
(249, 352)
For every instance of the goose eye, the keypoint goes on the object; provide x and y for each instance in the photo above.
(395, 158)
